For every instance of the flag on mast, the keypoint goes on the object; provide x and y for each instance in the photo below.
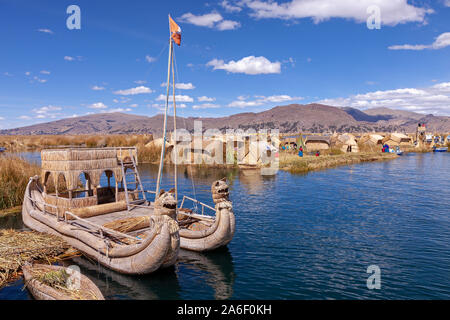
(175, 31)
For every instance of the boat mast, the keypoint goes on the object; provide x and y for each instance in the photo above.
(163, 147)
(175, 134)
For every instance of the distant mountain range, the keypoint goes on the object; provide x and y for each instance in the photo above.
(291, 118)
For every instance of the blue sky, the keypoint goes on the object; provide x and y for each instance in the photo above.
(236, 56)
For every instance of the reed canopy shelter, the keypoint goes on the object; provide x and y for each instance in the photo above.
(317, 143)
(72, 177)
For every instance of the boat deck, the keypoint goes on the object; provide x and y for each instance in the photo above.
(109, 217)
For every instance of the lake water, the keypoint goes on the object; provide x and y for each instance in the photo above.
(309, 236)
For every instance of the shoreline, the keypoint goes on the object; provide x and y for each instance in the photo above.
(294, 164)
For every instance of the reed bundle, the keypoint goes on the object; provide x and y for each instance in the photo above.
(129, 224)
(18, 248)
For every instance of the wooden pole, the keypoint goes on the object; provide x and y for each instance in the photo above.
(163, 147)
(175, 134)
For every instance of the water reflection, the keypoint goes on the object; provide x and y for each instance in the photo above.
(219, 268)
(159, 285)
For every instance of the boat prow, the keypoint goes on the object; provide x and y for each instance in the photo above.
(205, 233)
(84, 288)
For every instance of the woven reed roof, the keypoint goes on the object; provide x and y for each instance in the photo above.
(318, 139)
(72, 162)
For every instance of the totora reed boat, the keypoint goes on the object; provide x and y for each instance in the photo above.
(47, 282)
(90, 217)
(118, 225)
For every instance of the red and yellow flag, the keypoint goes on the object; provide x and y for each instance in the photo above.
(175, 31)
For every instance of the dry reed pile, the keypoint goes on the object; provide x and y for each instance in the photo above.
(18, 248)
(14, 176)
(296, 164)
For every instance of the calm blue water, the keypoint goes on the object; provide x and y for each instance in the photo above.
(311, 236)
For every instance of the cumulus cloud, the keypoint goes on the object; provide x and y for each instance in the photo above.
(393, 12)
(434, 99)
(230, 7)
(98, 105)
(134, 91)
(178, 98)
(45, 72)
(206, 99)
(242, 101)
(97, 88)
(210, 20)
(25, 118)
(440, 42)
(249, 65)
(181, 86)
(49, 111)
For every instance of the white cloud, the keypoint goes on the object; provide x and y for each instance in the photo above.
(210, 20)
(1, 118)
(441, 42)
(434, 99)
(47, 112)
(206, 106)
(97, 88)
(140, 81)
(248, 65)
(150, 59)
(447, 3)
(393, 12)
(8, 74)
(25, 118)
(134, 91)
(231, 7)
(69, 58)
(98, 105)
(135, 105)
(181, 86)
(45, 72)
(206, 99)
(28, 73)
(242, 102)
(228, 25)
(178, 98)
(45, 31)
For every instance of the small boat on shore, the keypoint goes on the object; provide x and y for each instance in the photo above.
(441, 149)
(47, 282)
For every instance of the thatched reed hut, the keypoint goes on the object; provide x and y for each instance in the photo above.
(347, 143)
(317, 143)
(397, 139)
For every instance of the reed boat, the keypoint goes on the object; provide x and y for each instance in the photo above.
(38, 278)
(90, 217)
